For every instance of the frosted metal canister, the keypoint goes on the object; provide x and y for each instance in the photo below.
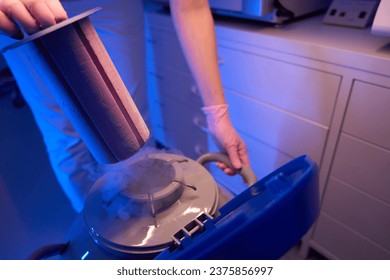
(74, 65)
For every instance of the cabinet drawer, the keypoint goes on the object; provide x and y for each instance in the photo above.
(300, 90)
(368, 114)
(164, 50)
(278, 129)
(171, 84)
(177, 126)
(343, 243)
(358, 211)
(364, 166)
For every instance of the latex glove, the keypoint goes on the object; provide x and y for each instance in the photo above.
(29, 15)
(226, 137)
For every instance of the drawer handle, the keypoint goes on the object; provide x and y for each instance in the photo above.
(220, 60)
(199, 123)
(200, 150)
(194, 90)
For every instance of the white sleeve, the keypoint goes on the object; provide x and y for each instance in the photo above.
(120, 25)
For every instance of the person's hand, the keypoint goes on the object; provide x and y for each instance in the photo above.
(29, 16)
(226, 137)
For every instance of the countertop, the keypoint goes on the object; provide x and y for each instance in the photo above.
(308, 37)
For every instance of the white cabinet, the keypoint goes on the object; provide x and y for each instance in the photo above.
(174, 100)
(357, 198)
(306, 88)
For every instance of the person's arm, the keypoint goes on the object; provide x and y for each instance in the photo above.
(195, 28)
(29, 15)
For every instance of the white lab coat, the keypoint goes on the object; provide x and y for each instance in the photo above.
(120, 25)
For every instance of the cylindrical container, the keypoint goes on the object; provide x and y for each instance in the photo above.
(74, 65)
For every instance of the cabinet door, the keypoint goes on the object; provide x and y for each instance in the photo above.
(337, 241)
(368, 114)
(354, 221)
(359, 212)
(363, 165)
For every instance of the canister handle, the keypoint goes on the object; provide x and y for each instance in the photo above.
(246, 173)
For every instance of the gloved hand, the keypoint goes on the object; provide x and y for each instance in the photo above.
(226, 137)
(29, 15)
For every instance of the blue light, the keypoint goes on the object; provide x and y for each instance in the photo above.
(85, 255)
